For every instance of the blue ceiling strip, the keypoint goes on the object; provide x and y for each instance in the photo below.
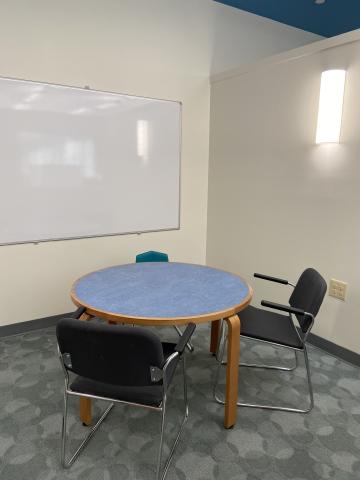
(328, 19)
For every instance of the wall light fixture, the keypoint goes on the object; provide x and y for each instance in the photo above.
(330, 106)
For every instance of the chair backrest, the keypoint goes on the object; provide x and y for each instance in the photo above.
(112, 354)
(152, 256)
(308, 295)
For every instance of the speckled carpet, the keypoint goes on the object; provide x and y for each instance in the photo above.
(266, 445)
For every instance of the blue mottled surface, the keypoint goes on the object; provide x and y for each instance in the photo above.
(158, 290)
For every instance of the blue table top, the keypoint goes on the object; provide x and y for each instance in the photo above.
(160, 290)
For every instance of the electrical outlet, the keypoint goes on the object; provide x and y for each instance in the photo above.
(337, 289)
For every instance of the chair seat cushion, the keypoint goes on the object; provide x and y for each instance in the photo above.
(269, 326)
(149, 395)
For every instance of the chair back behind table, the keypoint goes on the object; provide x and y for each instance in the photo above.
(152, 256)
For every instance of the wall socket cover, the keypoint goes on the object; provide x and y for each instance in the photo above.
(337, 289)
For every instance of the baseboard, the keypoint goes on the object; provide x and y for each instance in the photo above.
(23, 327)
(334, 349)
(322, 343)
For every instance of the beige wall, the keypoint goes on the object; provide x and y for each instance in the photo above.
(156, 48)
(277, 202)
(239, 37)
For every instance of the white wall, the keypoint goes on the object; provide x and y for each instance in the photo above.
(278, 203)
(156, 48)
(240, 37)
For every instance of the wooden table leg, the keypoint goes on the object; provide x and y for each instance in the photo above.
(85, 403)
(85, 410)
(85, 317)
(232, 368)
(215, 332)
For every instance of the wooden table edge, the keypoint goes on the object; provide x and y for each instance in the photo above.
(153, 321)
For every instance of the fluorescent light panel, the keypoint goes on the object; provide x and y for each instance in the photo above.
(330, 106)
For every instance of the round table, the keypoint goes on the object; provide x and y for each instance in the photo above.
(168, 293)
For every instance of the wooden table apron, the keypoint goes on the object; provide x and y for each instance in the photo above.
(202, 284)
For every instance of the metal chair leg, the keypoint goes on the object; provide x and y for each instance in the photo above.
(272, 367)
(311, 393)
(162, 476)
(63, 431)
(163, 412)
(265, 406)
(289, 409)
(159, 475)
(87, 438)
(189, 345)
(253, 365)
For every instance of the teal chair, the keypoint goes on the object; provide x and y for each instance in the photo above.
(152, 256)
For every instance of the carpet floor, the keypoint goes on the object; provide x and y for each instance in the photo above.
(266, 445)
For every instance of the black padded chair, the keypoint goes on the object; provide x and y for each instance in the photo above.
(279, 329)
(128, 365)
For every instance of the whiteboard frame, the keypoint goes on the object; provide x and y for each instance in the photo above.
(114, 234)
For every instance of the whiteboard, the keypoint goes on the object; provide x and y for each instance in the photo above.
(76, 163)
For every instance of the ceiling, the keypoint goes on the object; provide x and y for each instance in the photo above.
(328, 18)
